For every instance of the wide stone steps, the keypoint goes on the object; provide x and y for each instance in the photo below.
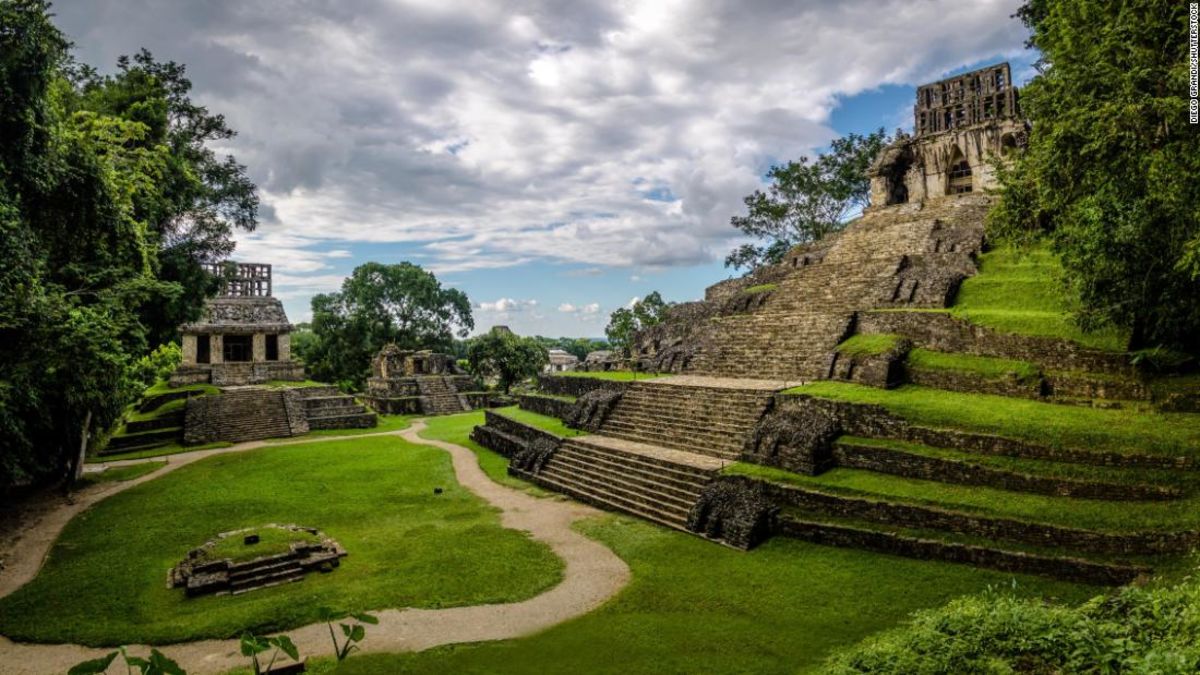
(645, 484)
(439, 396)
(724, 448)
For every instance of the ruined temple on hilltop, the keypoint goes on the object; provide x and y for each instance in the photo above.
(419, 382)
(959, 124)
(242, 336)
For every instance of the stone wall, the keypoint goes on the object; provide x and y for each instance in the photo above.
(545, 405)
(974, 383)
(873, 421)
(573, 385)
(945, 333)
(507, 436)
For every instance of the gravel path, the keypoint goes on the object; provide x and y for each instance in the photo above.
(592, 575)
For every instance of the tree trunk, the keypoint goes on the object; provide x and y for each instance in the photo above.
(77, 468)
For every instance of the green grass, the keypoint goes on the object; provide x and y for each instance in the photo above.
(161, 387)
(167, 408)
(1019, 291)
(615, 375)
(457, 429)
(695, 607)
(170, 449)
(1122, 431)
(1182, 514)
(869, 345)
(103, 582)
(271, 541)
(544, 422)
(118, 474)
(988, 367)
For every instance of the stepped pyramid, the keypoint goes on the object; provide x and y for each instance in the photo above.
(725, 446)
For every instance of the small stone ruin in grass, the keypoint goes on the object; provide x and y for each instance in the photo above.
(257, 557)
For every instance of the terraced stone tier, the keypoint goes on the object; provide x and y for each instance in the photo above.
(698, 415)
(439, 396)
(327, 408)
(652, 482)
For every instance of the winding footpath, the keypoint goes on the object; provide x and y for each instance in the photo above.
(592, 575)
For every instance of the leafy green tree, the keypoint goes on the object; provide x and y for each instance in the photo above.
(90, 211)
(381, 304)
(506, 357)
(1109, 174)
(807, 200)
(625, 322)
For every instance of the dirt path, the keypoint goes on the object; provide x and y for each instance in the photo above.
(592, 575)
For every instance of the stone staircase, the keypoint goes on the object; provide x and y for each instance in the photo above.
(439, 396)
(711, 421)
(248, 414)
(654, 483)
(327, 408)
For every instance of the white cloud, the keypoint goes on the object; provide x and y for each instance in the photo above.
(490, 135)
(568, 308)
(507, 305)
(590, 308)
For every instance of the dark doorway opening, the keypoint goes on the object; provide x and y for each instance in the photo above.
(239, 348)
(272, 347)
(203, 349)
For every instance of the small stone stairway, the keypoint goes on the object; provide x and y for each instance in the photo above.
(657, 484)
(250, 414)
(707, 420)
(439, 397)
(265, 572)
(327, 408)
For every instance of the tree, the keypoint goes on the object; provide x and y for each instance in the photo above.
(90, 207)
(625, 322)
(381, 304)
(807, 200)
(506, 357)
(1109, 173)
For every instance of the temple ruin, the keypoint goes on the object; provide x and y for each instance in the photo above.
(420, 382)
(243, 335)
(960, 124)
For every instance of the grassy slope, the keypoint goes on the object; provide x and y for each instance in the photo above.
(104, 579)
(1094, 514)
(694, 607)
(171, 449)
(619, 375)
(1019, 292)
(1125, 431)
(984, 366)
(868, 345)
(551, 424)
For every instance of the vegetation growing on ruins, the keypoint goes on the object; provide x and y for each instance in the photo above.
(988, 367)
(695, 607)
(1122, 430)
(505, 357)
(1109, 171)
(408, 546)
(869, 345)
(807, 200)
(544, 422)
(109, 199)
(377, 305)
(1019, 290)
(1138, 630)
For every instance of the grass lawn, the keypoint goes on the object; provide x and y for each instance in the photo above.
(104, 580)
(271, 541)
(696, 607)
(617, 375)
(984, 366)
(118, 474)
(552, 424)
(170, 449)
(1123, 430)
(868, 345)
(1019, 291)
(161, 387)
(457, 429)
(1093, 514)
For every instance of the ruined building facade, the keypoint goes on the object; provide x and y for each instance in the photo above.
(242, 336)
(959, 124)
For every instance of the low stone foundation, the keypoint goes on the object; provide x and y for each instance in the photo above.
(576, 386)
(200, 574)
(545, 405)
(507, 436)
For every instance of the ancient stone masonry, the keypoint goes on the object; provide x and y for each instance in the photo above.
(420, 383)
(735, 510)
(242, 414)
(590, 410)
(243, 335)
(202, 572)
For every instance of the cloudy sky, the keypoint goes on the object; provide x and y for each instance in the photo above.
(551, 158)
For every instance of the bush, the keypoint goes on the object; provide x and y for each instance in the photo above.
(1136, 630)
(158, 364)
